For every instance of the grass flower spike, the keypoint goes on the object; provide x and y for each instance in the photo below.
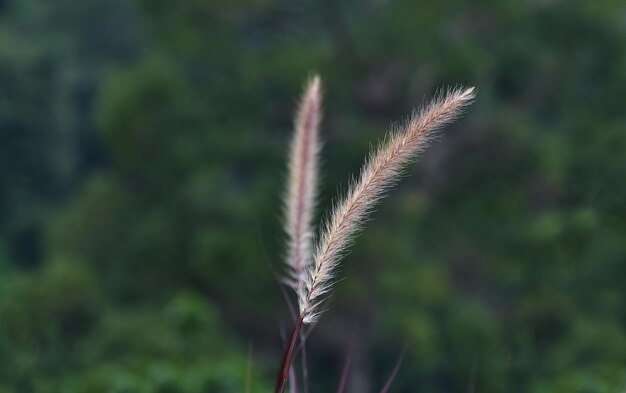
(314, 270)
(302, 183)
(382, 170)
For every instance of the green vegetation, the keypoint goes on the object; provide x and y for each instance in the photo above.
(142, 155)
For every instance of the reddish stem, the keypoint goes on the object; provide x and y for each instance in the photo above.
(346, 369)
(285, 364)
(394, 372)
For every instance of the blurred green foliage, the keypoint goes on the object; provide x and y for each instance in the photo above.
(142, 148)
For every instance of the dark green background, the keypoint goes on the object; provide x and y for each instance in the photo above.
(142, 159)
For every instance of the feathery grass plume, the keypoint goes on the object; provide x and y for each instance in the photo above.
(381, 171)
(302, 182)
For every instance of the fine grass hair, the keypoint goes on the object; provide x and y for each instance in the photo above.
(312, 269)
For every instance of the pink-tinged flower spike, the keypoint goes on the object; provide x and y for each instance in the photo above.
(302, 183)
(380, 172)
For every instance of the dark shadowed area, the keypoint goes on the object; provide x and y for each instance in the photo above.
(143, 153)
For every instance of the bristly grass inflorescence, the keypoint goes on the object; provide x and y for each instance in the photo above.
(302, 184)
(312, 269)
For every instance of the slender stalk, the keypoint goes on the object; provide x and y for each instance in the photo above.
(285, 363)
(387, 385)
(305, 362)
(346, 370)
(293, 386)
